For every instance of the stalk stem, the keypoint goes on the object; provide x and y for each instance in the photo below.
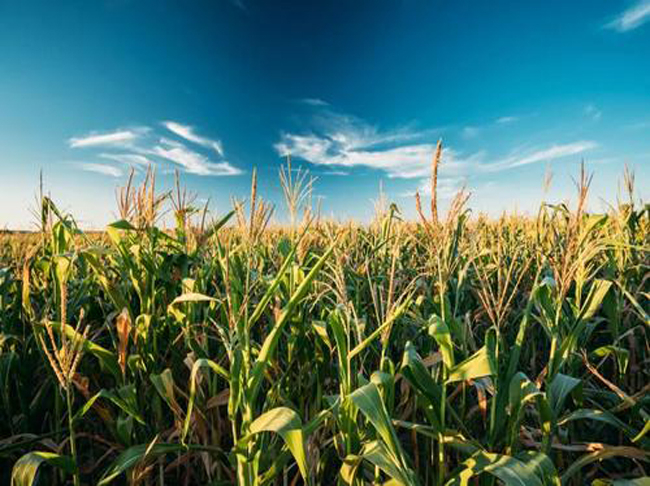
(73, 445)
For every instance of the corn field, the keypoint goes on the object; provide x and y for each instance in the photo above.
(451, 350)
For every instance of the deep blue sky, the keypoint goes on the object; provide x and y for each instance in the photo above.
(358, 92)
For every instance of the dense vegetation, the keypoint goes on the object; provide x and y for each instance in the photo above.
(461, 351)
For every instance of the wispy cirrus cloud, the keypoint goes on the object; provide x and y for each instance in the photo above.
(446, 189)
(193, 162)
(631, 18)
(344, 151)
(143, 146)
(345, 141)
(506, 119)
(128, 159)
(96, 139)
(314, 102)
(548, 154)
(477, 165)
(187, 132)
(104, 169)
(342, 142)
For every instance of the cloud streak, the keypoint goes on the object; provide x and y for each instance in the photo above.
(342, 150)
(314, 102)
(506, 119)
(193, 162)
(119, 137)
(141, 147)
(633, 17)
(128, 159)
(556, 151)
(343, 141)
(104, 169)
(187, 132)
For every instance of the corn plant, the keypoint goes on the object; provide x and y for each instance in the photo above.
(186, 346)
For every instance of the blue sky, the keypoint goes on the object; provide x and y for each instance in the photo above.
(358, 92)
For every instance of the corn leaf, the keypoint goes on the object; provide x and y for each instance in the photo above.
(513, 472)
(26, 468)
(286, 423)
(476, 366)
(201, 363)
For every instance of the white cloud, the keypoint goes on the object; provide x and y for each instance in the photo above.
(314, 102)
(187, 132)
(506, 119)
(119, 137)
(447, 187)
(341, 142)
(633, 17)
(346, 141)
(553, 152)
(128, 159)
(141, 146)
(343, 150)
(104, 169)
(191, 161)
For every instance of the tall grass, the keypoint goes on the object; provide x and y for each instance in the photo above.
(456, 350)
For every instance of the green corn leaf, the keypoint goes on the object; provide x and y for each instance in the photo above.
(386, 454)
(521, 391)
(201, 363)
(26, 468)
(113, 290)
(559, 389)
(192, 297)
(597, 292)
(114, 230)
(335, 323)
(440, 332)
(643, 314)
(216, 226)
(420, 379)
(543, 466)
(368, 400)
(320, 328)
(644, 481)
(270, 292)
(599, 416)
(450, 437)
(134, 455)
(164, 384)
(378, 454)
(271, 341)
(281, 460)
(125, 403)
(621, 355)
(349, 469)
(644, 431)
(236, 383)
(604, 452)
(377, 332)
(476, 366)
(513, 472)
(287, 424)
